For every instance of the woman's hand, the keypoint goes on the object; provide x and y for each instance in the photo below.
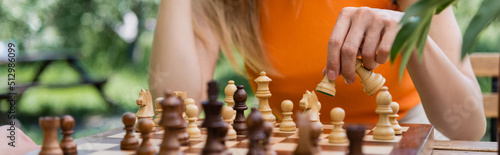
(364, 32)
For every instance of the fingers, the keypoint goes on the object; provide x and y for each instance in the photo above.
(336, 40)
(352, 44)
(371, 41)
(391, 29)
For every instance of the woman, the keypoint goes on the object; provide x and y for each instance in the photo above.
(292, 40)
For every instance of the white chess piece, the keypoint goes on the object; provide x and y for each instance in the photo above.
(192, 128)
(227, 115)
(287, 123)
(393, 118)
(383, 130)
(263, 94)
(338, 134)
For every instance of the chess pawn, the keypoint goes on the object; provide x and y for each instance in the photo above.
(393, 118)
(229, 91)
(287, 123)
(129, 141)
(158, 111)
(263, 94)
(355, 135)
(188, 101)
(192, 128)
(146, 148)
(67, 144)
(372, 82)
(383, 130)
(49, 126)
(227, 116)
(326, 86)
(338, 134)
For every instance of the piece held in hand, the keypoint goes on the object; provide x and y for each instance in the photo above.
(393, 118)
(338, 135)
(287, 123)
(146, 148)
(49, 126)
(240, 97)
(355, 134)
(192, 114)
(216, 128)
(326, 87)
(263, 94)
(170, 123)
(67, 144)
(129, 141)
(310, 104)
(372, 82)
(309, 133)
(383, 130)
(146, 110)
(227, 116)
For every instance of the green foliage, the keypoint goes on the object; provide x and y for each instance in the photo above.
(416, 23)
(415, 27)
(488, 12)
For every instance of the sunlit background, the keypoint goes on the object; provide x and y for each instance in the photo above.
(110, 40)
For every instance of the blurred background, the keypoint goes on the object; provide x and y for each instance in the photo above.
(89, 58)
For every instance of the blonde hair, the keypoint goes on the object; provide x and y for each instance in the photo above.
(236, 26)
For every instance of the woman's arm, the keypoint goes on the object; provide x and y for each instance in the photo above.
(447, 86)
(179, 60)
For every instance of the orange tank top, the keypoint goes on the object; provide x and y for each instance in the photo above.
(295, 36)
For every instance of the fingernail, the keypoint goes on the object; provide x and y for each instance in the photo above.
(348, 81)
(332, 75)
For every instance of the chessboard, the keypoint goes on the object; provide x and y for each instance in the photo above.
(416, 139)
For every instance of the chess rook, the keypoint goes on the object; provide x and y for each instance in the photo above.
(129, 141)
(240, 97)
(49, 126)
(67, 144)
(227, 116)
(146, 148)
(355, 134)
(287, 123)
(263, 94)
(192, 128)
(326, 86)
(170, 122)
(372, 82)
(216, 128)
(383, 130)
(393, 118)
(338, 134)
(145, 107)
(158, 111)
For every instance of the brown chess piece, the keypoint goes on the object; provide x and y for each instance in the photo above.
(146, 148)
(67, 144)
(170, 122)
(309, 133)
(129, 141)
(355, 135)
(216, 128)
(259, 134)
(240, 97)
(49, 126)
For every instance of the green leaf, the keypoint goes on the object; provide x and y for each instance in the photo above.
(488, 11)
(405, 58)
(444, 5)
(403, 36)
(423, 35)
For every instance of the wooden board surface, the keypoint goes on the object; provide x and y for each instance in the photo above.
(416, 138)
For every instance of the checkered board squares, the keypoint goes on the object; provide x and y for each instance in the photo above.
(412, 141)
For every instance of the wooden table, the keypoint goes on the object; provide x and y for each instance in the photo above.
(464, 147)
